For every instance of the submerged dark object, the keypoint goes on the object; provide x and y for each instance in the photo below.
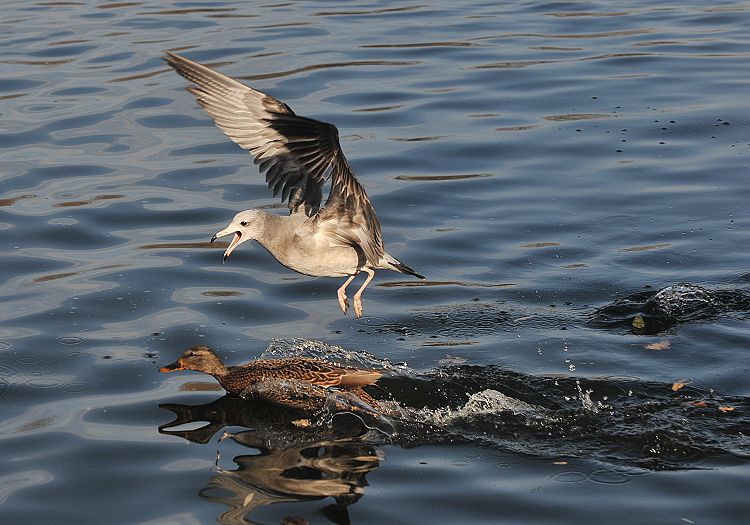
(650, 312)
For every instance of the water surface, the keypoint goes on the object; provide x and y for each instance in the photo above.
(549, 166)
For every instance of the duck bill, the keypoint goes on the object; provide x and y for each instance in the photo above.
(177, 365)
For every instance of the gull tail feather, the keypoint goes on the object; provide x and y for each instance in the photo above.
(394, 264)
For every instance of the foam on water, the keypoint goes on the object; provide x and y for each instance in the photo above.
(486, 402)
(282, 348)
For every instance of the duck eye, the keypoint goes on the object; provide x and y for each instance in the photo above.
(243, 223)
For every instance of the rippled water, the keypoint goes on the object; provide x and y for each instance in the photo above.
(571, 177)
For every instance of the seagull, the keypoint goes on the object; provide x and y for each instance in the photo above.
(298, 155)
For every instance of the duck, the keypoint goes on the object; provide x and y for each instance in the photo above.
(298, 155)
(297, 382)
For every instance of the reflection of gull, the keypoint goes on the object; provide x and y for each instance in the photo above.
(298, 155)
(297, 382)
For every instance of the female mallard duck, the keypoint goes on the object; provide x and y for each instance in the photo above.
(299, 382)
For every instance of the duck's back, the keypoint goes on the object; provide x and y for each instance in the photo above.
(305, 369)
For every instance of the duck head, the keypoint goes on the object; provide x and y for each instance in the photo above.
(198, 358)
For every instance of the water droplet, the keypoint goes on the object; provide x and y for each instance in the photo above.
(70, 340)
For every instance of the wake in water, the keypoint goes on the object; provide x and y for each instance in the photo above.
(614, 420)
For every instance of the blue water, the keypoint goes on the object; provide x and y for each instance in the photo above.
(547, 165)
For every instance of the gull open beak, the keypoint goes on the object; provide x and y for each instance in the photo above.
(232, 245)
(177, 365)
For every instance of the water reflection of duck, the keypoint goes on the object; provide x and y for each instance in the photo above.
(297, 382)
(287, 464)
(309, 472)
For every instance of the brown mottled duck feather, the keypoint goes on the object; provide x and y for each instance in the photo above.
(294, 381)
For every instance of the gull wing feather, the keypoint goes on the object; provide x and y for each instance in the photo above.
(297, 154)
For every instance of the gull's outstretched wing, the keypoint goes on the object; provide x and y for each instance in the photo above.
(297, 154)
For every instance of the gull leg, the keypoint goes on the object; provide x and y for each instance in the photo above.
(341, 292)
(358, 295)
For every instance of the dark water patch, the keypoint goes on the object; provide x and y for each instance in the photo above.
(18, 84)
(578, 116)
(379, 108)
(586, 14)
(138, 76)
(46, 63)
(653, 311)
(171, 121)
(333, 65)
(419, 139)
(545, 244)
(62, 51)
(444, 177)
(367, 12)
(147, 102)
(42, 133)
(449, 343)
(518, 128)
(154, 24)
(119, 5)
(191, 10)
(114, 57)
(420, 44)
(76, 91)
(456, 321)
(211, 149)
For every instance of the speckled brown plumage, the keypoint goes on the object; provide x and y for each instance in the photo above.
(299, 382)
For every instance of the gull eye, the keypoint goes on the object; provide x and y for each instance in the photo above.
(243, 223)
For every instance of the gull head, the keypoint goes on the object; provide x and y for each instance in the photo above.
(245, 226)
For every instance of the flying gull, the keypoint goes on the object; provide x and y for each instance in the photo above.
(298, 156)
